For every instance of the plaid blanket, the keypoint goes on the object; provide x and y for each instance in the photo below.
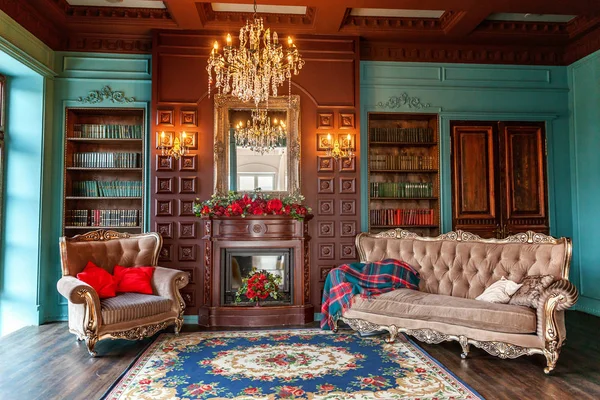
(366, 279)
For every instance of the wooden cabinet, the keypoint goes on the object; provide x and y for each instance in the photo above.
(103, 174)
(499, 177)
(403, 174)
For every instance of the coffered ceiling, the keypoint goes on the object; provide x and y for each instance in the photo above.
(562, 30)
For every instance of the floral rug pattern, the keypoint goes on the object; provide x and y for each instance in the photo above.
(286, 364)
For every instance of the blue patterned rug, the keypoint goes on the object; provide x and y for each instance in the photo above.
(286, 364)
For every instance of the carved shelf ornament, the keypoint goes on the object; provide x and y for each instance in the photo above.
(106, 93)
(404, 100)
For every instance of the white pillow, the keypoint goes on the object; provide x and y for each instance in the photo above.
(499, 291)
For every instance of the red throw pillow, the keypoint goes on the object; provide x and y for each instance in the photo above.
(134, 279)
(101, 280)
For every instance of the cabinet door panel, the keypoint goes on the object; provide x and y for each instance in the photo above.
(524, 177)
(474, 178)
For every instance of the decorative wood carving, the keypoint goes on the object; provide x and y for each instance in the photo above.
(187, 230)
(326, 251)
(325, 120)
(189, 297)
(191, 271)
(348, 207)
(165, 229)
(322, 142)
(403, 101)
(189, 118)
(324, 271)
(164, 163)
(186, 208)
(324, 164)
(188, 162)
(326, 229)
(164, 185)
(164, 208)
(166, 252)
(106, 93)
(252, 232)
(347, 228)
(191, 140)
(347, 164)
(94, 42)
(346, 121)
(325, 207)
(347, 185)
(164, 117)
(343, 139)
(325, 185)
(347, 251)
(187, 252)
(187, 185)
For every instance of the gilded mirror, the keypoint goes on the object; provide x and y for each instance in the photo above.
(271, 163)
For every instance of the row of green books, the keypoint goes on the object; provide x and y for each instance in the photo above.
(112, 131)
(401, 189)
(107, 160)
(401, 135)
(111, 218)
(107, 188)
(401, 217)
(400, 162)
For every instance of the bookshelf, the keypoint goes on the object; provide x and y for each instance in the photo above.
(103, 170)
(403, 172)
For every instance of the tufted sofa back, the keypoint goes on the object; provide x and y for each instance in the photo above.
(107, 249)
(462, 264)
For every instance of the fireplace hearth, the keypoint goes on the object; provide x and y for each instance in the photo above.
(232, 246)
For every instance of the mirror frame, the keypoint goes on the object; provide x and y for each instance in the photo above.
(223, 103)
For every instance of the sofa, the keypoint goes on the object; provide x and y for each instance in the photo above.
(455, 268)
(131, 316)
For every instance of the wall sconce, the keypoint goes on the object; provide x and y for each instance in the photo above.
(335, 150)
(171, 145)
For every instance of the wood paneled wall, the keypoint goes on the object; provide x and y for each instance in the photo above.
(328, 86)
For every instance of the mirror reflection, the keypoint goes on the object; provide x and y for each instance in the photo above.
(258, 153)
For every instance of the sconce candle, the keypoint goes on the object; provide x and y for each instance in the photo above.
(335, 150)
(172, 147)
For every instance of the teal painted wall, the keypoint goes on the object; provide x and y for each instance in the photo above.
(477, 92)
(584, 105)
(78, 74)
(20, 244)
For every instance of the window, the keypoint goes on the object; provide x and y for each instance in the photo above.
(2, 121)
(251, 181)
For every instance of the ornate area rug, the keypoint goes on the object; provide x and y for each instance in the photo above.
(286, 364)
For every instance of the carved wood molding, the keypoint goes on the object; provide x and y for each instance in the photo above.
(391, 23)
(208, 16)
(108, 43)
(36, 22)
(556, 29)
(426, 52)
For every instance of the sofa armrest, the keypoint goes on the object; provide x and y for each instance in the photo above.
(167, 282)
(562, 292)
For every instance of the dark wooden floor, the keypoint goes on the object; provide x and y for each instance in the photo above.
(46, 362)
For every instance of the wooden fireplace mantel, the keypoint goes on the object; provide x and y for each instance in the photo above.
(267, 231)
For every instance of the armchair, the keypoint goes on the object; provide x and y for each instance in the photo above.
(130, 316)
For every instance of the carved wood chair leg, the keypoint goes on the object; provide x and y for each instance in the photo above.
(393, 333)
(178, 325)
(464, 343)
(335, 326)
(91, 343)
(551, 359)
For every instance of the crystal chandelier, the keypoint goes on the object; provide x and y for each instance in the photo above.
(255, 70)
(260, 133)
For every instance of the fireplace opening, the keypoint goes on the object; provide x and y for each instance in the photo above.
(237, 264)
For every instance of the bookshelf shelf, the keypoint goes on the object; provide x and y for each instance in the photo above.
(403, 172)
(104, 160)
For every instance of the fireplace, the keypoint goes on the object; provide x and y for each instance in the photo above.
(237, 264)
(232, 245)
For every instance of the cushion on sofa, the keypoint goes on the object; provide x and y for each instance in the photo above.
(531, 288)
(130, 306)
(499, 291)
(407, 303)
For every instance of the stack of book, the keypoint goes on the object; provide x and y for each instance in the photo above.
(98, 131)
(107, 160)
(107, 188)
(401, 217)
(110, 218)
(401, 135)
(400, 162)
(401, 189)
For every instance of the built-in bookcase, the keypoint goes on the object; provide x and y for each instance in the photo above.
(403, 172)
(104, 164)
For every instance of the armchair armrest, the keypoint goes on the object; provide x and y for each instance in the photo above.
(167, 282)
(75, 291)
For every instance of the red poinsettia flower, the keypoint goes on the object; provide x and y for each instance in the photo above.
(205, 210)
(275, 206)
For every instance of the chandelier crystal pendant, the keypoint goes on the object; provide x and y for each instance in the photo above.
(260, 133)
(254, 70)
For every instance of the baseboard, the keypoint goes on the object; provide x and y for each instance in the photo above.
(190, 319)
(318, 316)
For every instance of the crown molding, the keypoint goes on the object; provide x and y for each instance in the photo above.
(109, 43)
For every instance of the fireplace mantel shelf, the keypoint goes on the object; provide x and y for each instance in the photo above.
(255, 232)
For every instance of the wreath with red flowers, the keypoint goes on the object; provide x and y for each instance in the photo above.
(259, 286)
(253, 203)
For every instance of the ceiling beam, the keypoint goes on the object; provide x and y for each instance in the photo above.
(465, 22)
(329, 18)
(185, 13)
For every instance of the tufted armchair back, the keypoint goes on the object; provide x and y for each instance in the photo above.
(107, 249)
(462, 264)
